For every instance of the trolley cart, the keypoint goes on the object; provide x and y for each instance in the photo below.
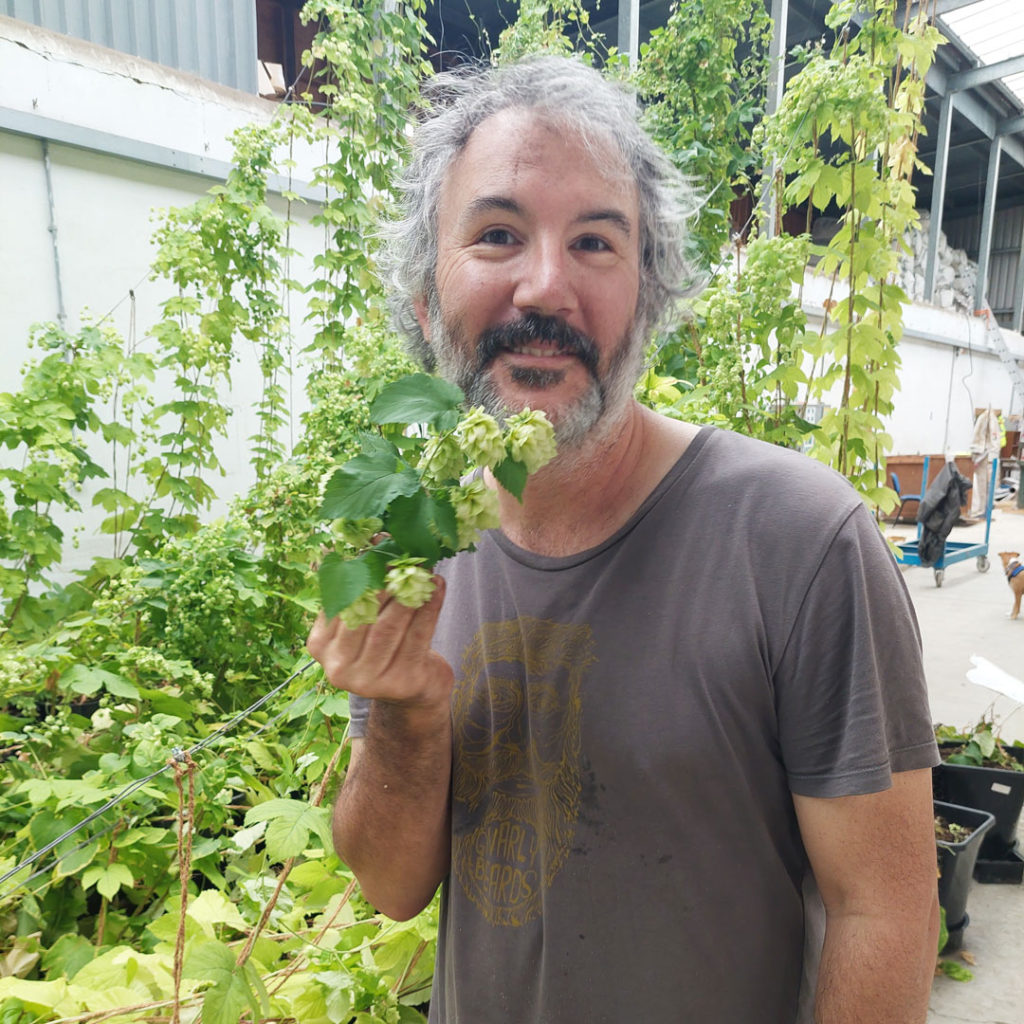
(955, 551)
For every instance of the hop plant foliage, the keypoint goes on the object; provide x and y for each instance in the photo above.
(417, 488)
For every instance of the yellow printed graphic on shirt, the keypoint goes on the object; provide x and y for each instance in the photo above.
(517, 771)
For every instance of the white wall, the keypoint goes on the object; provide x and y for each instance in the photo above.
(948, 369)
(125, 137)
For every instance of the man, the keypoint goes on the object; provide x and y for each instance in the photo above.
(674, 708)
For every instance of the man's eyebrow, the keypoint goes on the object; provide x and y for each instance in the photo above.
(488, 204)
(485, 204)
(617, 217)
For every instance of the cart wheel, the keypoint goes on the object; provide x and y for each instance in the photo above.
(940, 575)
(983, 563)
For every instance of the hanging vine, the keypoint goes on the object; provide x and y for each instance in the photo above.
(845, 138)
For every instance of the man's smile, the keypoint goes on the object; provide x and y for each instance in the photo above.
(538, 337)
(540, 352)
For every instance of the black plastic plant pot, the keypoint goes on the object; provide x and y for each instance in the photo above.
(999, 791)
(956, 864)
(1005, 870)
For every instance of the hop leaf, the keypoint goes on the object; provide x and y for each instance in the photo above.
(480, 438)
(409, 582)
(531, 439)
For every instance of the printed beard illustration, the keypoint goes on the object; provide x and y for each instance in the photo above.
(517, 767)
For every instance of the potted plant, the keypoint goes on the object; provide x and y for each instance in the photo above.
(979, 770)
(959, 832)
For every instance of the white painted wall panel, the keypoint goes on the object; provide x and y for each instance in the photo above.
(104, 203)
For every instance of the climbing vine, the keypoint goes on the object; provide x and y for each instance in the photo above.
(845, 139)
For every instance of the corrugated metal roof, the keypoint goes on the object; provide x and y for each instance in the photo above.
(993, 30)
(215, 39)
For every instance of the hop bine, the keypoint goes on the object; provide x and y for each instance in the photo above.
(416, 494)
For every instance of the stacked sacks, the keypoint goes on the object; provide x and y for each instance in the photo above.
(955, 277)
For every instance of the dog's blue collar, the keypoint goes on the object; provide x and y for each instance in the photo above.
(1016, 569)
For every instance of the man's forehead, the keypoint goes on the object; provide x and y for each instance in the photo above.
(519, 137)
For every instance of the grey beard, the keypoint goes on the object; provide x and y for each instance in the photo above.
(591, 417)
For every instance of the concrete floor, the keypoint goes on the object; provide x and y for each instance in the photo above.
(967, 616)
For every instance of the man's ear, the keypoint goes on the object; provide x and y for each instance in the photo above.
(422, 316)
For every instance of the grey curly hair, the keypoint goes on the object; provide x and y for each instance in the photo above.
(575, 97)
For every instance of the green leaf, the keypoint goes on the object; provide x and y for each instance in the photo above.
(87, 679)
(211, 908)
(375, 445)
(445, 522)
(108, 878)
(410, 522)
(245, 838)
(290, 823)
(167, 704)
(418, 398)
(365, 485)
(986, 741)
(234, 988)
(957, 972)
(341, 582)
(67, 956)
(512, 476)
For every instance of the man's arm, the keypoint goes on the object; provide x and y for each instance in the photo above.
(391, 818)
(874, 860)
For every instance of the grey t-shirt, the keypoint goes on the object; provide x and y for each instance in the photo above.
(629, 726)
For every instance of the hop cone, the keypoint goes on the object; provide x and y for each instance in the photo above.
(531, 439)
(476, 509)
(480, 438)
(362, 611)
(442, 460)
(409, 582)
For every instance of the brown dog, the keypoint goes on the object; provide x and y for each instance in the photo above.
(1014, 570)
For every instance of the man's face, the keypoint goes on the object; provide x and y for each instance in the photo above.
(537, 276)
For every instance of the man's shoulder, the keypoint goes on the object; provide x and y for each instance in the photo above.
(752, 463)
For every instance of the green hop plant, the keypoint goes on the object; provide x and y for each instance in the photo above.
(531, 439)
(442, 460)
(362, 611)
(409, 583)
(357, 532)
(480, 438)
(476, 509)
(402, 490)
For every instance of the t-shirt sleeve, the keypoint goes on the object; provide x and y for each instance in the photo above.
(850, 691)
(359, 714)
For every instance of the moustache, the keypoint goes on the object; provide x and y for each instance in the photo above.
(517, 334)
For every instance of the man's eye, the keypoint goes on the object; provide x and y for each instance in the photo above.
(591, 243)
(497, 236)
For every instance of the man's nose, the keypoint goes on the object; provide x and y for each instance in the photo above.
(546, 283)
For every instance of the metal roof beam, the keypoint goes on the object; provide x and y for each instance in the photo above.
(931, 265)
(986, 73)
(628, 35)
(988, 216)
(976, 113)
(1011, 126)
(1018, 291)
(940, 7)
